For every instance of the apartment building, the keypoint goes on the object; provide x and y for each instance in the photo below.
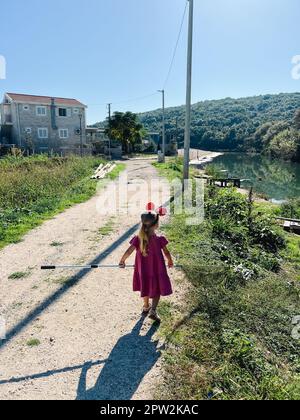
(43, 123)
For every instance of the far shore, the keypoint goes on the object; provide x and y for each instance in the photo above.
(196, 154)
(200, 157)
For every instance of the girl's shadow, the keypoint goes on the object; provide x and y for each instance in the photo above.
(130, 360)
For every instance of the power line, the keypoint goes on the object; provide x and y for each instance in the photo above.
(176, 46)
(136, 99)
(140, 98)
(168, 75)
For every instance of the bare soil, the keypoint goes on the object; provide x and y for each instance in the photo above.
(77, 334)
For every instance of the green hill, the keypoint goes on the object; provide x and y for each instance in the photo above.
(229, 124)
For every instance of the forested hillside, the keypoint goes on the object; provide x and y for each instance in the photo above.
(235, 124)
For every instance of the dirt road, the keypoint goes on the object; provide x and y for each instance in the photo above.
(76, 334)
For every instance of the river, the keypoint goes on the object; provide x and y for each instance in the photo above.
(278, 180)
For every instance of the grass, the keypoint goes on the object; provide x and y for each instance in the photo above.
(292, 253)
(17, 305)
(62, 280)
(56, 244)
(33, 342)
(234, 341)
(35, 189)
(107, 229)
(170, 169)
(232, 337)
(18, 275)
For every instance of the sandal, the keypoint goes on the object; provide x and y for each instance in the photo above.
(154, 316)
(146, 310)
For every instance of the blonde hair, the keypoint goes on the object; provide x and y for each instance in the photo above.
(149, 221)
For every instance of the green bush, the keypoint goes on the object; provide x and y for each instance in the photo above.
(231, 337)
(235, 342)
(224, 228)
(227, 203)
(35, 187)
(213, 171)
(265, 232)
(291, 209)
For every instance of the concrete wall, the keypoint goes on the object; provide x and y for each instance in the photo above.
(30, 119)
(24, 115)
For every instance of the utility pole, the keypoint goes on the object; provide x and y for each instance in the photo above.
(163, 125)
(187, 137)
(109, 120)
(81, 139)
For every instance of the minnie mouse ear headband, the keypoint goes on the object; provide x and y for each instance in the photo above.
(160, 212)
(151, 217)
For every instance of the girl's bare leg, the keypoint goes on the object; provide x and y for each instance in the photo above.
(155, 302)
(153, 314)
(146, 302)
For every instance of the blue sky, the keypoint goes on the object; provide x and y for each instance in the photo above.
(101, 51)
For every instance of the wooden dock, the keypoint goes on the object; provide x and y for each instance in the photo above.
(290, 225)
(222, 182)
(286, 219)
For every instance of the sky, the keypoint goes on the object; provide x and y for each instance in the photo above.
(119, 51)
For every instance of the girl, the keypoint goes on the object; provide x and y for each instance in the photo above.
(150, 275)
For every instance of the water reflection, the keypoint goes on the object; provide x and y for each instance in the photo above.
(278, 180)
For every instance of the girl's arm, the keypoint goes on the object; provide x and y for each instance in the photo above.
(127, 254)
(169, 257)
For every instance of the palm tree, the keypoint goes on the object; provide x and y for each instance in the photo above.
(125, 128)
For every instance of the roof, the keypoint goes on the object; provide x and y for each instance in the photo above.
(43, 99)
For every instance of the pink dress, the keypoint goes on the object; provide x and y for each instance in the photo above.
(150, 274)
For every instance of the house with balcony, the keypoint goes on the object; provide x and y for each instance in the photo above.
(102, 144)
(153, 143)
(43, 124)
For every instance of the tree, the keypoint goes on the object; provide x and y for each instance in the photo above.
(273, 131)
(125, 128)
(286, 145)
(256, 141)
(230, 124)
(297, 119)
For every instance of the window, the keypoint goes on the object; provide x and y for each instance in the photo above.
(25, 107)
(76, 110)
(62, 112)
(63, 133)
(28, 130)
(41, 111)
(43, 133)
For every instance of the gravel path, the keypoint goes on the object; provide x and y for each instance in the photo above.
(93, 342)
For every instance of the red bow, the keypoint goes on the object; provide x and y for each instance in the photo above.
(161, 211)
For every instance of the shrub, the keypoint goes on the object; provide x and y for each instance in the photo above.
(229, 204)
(225, 229)
(291, 209)
(213, 171)
(33, 187)
(265, 233)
